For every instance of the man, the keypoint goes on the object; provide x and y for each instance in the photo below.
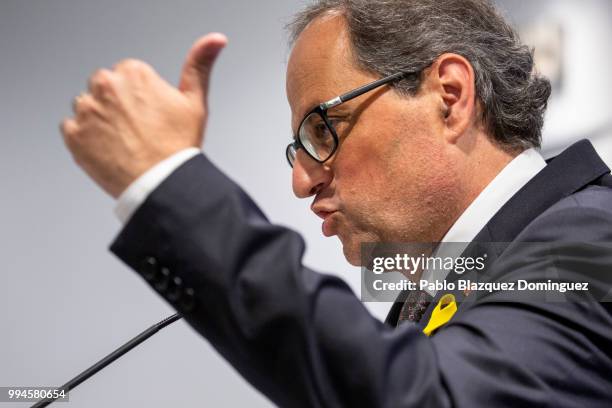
(440, 149)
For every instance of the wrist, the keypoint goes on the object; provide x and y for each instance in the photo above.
(139, 189)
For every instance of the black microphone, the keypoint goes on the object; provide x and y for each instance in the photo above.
(70, 385)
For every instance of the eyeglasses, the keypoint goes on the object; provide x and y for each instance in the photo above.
(316, 133)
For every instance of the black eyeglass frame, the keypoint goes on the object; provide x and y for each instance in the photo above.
(322, 109)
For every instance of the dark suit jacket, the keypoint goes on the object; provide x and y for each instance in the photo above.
(304, 339)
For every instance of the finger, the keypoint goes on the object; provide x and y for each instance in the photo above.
(84, 105)
(69, 129)
(100, 83)
(76, 101)
(195, 76)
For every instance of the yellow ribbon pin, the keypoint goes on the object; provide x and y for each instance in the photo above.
(442, 313)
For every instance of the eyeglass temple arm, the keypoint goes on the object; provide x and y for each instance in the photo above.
(361, 90)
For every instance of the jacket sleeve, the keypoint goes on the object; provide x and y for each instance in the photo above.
(301, 337)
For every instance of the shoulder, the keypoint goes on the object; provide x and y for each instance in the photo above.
(592, 197)
(583, 216)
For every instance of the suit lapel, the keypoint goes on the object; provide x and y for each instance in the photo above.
(572, 170)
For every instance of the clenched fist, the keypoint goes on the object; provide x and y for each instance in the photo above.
(130, 118)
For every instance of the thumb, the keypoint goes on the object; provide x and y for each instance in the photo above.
(195, 75)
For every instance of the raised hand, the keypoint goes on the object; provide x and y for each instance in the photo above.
(130, 118)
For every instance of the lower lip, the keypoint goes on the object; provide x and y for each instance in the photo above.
(328, 226)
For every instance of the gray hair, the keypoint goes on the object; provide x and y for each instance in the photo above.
(389, 36)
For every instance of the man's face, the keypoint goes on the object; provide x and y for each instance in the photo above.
(391, 179)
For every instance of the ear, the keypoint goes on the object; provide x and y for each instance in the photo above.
(455, 83)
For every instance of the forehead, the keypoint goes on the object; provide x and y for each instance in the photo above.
(320, 66)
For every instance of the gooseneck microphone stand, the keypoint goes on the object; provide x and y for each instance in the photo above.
(70, 385)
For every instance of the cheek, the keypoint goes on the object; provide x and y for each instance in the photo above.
(392, 167)
(383, 153)
(362, 182)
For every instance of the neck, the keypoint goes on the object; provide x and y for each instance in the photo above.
(481, 161)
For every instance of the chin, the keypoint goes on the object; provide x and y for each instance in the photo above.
(353, 259)
(352, 252)
(351, 245)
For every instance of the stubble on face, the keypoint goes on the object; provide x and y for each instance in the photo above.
(404, 190)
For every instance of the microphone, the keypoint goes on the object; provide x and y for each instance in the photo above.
(70, 385)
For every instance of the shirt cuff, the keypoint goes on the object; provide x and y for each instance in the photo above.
(137, 192)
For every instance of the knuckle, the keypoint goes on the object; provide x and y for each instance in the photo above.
(85, 105)
(101, 80)
(132, 65)
(69, 130)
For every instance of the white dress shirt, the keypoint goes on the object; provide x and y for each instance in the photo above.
(490, 200)
(137, 192)
(506, 184)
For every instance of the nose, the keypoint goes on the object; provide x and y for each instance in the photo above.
(309, 177)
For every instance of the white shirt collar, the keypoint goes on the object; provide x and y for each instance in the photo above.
(500, 190)
(506, 184)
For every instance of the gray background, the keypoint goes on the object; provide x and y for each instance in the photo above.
(65, 301)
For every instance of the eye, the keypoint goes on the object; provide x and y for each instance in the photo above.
(321, 131)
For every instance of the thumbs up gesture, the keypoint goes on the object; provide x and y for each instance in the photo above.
(131, 119)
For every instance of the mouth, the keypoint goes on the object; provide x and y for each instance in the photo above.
(328, 227)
